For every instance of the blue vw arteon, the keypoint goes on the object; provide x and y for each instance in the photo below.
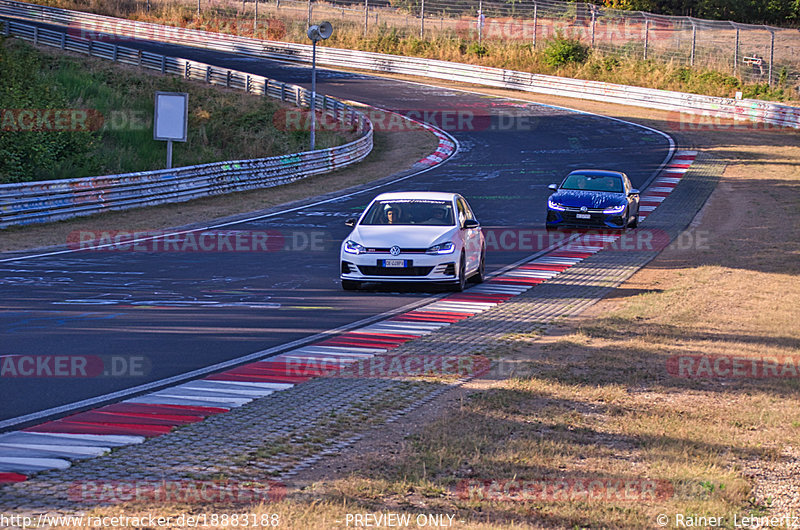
(593, 198)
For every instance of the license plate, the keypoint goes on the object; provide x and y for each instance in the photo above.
(394, 263)
(583, 216)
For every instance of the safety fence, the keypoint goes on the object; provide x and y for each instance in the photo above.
(44, 201)
(770, 113)
(756, 53)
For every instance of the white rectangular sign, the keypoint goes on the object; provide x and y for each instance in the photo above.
(172, 116)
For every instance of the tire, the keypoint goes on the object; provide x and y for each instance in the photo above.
(350, 285)
(480, 275)
(462, 275)
(635, 221)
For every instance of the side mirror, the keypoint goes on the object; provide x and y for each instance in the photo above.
(351, 222)
(553, 187)
(633, 191)
(471, 223)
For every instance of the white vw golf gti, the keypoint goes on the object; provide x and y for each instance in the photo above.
(414, 237)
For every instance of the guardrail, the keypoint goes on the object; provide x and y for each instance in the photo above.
(86, 23)
(45, 201)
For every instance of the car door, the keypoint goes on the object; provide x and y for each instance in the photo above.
(471, 236)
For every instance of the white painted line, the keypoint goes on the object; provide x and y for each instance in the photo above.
(418, 332)
(89, 440)
(355, 351)
(661, 189)
(200, 395)
(407, 327)
(248, 384)
(671, 180)
(163, 400)
(324, 358)
(31, 465)
(467, 306)
(556, 261)
(229, 390)
(654, 198)
(417, 326)
(647, 208)
(531, 274)
(67, 451)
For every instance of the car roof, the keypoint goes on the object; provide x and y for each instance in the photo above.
(425, 195)
(597, 172)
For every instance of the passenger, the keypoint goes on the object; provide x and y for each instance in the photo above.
(438, 217)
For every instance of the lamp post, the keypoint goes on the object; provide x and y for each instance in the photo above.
(316, 33)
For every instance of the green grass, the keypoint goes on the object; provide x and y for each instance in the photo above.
(223, 124)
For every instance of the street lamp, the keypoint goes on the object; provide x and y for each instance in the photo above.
(316, 33)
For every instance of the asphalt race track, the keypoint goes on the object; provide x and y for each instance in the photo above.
(143, 315)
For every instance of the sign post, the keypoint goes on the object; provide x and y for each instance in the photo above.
(171, 119)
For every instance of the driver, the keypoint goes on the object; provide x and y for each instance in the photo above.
(392, 215)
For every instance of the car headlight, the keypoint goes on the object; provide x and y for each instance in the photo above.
(442, 248)
(351, 247)
(554, 205)
(615, 209)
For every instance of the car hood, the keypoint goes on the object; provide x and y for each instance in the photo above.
(590, 199)
(404, 236)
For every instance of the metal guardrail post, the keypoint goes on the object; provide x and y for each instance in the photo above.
(694, 43)
(422, 20)
(187, 68)
(63, 40)
(116, 53)
(139, 57)
(771, 54)
(36, 35)
(247, 83)
(228, 79)
(646, 35)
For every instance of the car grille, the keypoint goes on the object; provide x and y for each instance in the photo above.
(578, 210)
(378, 250)
(369, 270)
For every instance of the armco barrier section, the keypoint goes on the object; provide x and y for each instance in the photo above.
(45, 201)
(87, 23)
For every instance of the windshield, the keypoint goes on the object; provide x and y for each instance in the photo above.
(609, 183)
(410, 212)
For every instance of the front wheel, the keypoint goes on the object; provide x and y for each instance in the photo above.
(462, 275)
(480, 275)
(634, 222)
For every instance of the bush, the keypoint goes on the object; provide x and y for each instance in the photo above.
(561, 51)
(477, 49)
